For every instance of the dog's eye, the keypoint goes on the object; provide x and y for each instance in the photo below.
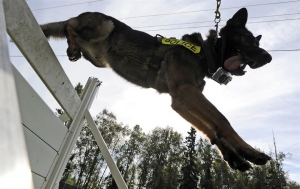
(247, 39)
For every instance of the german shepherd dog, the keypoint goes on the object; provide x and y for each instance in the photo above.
(105, 41)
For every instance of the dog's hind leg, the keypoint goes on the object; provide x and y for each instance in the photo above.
(208, 119)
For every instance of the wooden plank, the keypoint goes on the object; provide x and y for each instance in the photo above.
(14, 164)
(38, 181)
(40, 119)
(59, 166)
(41, 155)
(104, 151)
(27, 35)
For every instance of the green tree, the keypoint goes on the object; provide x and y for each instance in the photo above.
(205, 161)
(223, 176)
(128, 154)
(293, 185)
(159, 167)
(114, 135)
(161, 160)
(258, 177)
(276, 177)
(86, 162)
(110, 182)
(189, 168)
(171, 171)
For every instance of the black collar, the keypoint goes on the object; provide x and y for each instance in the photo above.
(213, 56)
(214, 59)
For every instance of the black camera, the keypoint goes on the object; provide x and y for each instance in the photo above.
(222, 76)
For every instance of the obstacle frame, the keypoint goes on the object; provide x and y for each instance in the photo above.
(44, 142)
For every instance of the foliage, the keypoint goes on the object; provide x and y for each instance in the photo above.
(189, 169)
(162, 160)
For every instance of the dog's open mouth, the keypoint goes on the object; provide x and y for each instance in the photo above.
(234, 62)
(238, 62)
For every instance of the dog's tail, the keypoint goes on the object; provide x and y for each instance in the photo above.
(55, 29)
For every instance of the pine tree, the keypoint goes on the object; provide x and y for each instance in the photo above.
(189, 168)
(206, 159)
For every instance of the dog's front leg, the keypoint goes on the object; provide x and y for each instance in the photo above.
(73, 50)
(229, 154)
(191, 104)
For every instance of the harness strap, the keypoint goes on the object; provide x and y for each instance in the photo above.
(165, 44)
(210, 56)
(155, 62)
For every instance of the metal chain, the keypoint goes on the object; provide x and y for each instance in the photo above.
(217, 19)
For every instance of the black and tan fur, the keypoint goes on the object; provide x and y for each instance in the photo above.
(105, 41)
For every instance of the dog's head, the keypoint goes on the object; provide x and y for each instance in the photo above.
(240, 47)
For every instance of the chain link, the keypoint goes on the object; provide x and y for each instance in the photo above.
(217, 19)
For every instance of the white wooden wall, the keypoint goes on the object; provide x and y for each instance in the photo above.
(14, 163)
(44, 132)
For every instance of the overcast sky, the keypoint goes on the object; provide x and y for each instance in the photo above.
(262, 100)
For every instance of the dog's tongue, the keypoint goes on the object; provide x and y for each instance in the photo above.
(233, 63)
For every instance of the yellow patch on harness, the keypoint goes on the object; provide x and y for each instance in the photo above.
(173, 41)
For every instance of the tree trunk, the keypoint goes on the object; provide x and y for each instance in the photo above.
(92, 169)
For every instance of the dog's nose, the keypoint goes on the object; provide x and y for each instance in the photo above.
(267, 57)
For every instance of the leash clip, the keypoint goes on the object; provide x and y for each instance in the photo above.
(217, 20)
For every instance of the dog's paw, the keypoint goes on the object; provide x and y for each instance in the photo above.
(254, 156)
(73, 53)
(245, 151)
(234, 160)
(239, 165)
(237, 162)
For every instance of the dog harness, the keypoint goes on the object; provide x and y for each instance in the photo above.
(215, 71)
(165, 44)
(173, 41)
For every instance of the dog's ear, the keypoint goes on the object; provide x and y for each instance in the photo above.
(239, 18)
(194, 38)
(212, 34)
(258, 37)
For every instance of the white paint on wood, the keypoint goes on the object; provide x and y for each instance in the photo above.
(64, 117)
(38, 181)
(14, 165)
(104, 151)
(37, 116)
(74, 131)
(41, 156)
(27, 35)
